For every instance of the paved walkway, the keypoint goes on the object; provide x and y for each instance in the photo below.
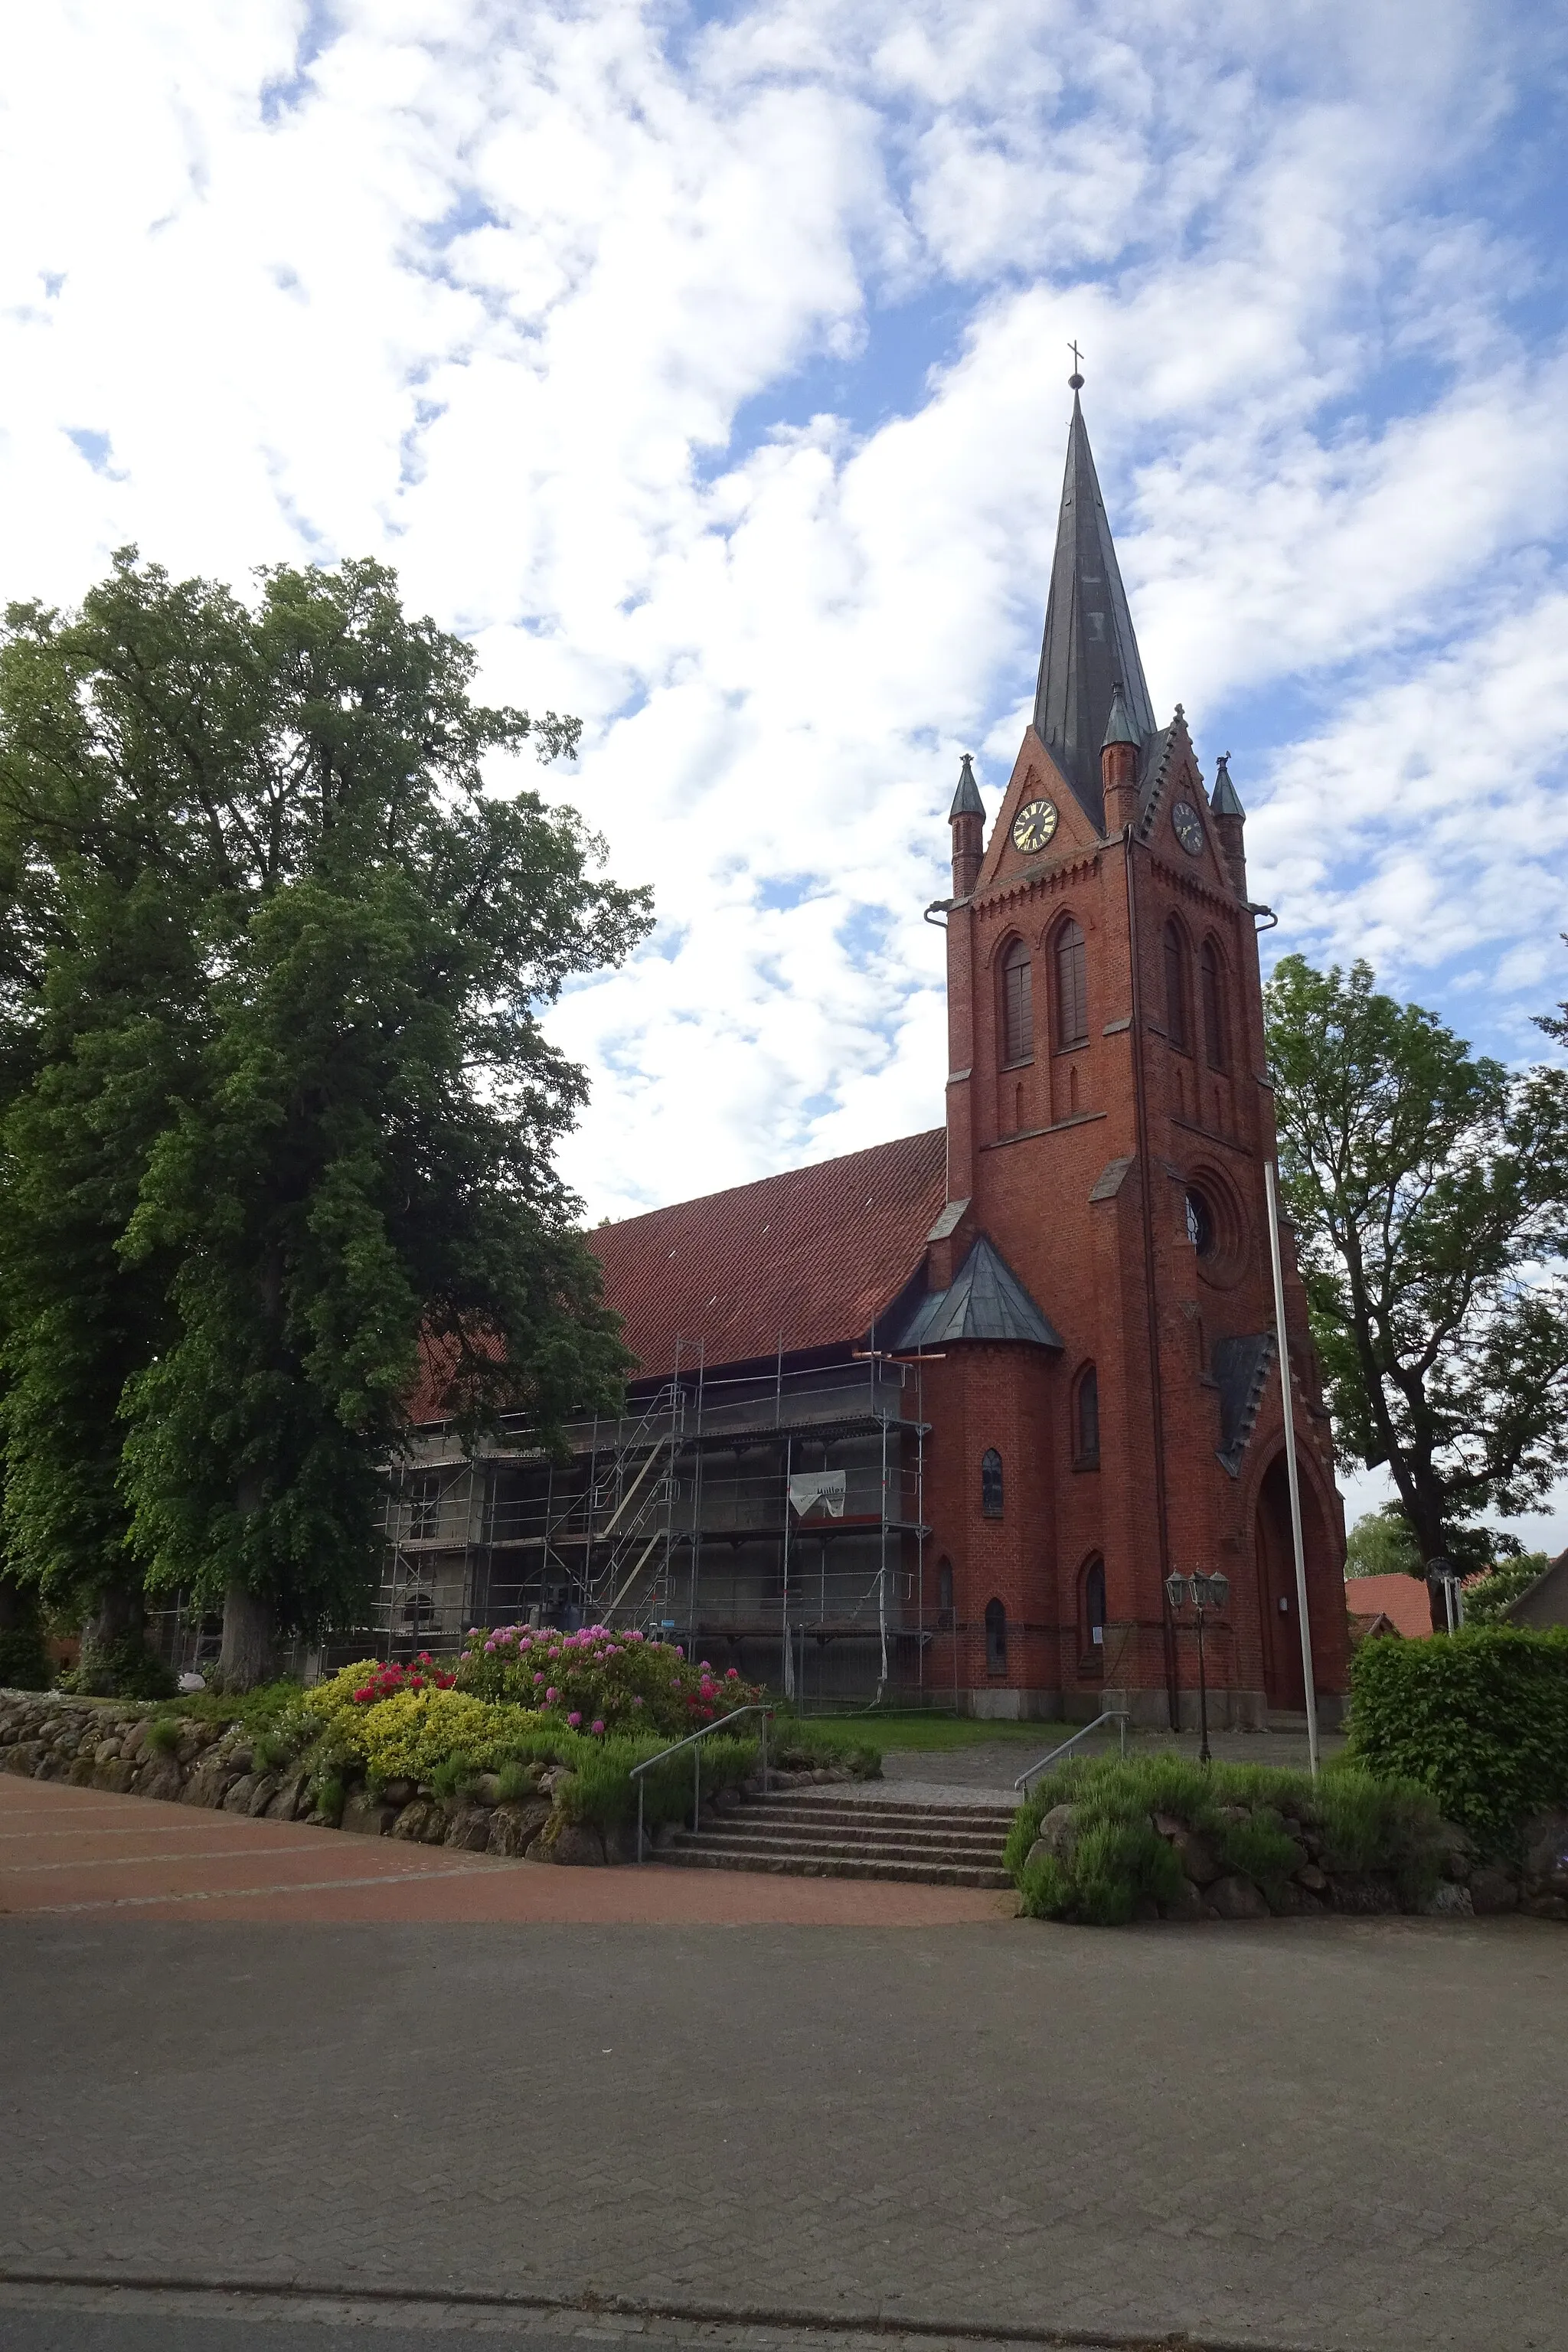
(1339, 2135)
(69, 1853)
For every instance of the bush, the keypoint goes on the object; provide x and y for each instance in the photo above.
(599, 1680)
(1119, 1858)
(1478, 1717)
(23, 1661)
(125, 1669)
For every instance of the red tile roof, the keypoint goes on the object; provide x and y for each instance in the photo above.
(1402, 1599)
(815, 1254)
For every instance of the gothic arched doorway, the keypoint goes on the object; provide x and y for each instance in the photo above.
(1281, 1618)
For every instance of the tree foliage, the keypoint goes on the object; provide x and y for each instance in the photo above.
(1427, 1185)
(278, 1104)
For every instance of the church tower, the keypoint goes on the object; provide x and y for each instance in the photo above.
(1095, 1333)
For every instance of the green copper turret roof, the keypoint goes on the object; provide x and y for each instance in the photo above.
(1224, 799)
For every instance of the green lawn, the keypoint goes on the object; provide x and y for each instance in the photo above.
(933, 1733)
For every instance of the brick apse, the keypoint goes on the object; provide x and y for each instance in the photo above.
(939, 1417)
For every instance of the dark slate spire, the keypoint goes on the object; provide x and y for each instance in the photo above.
(1224, 800)
(966, 800)
(1088, 642)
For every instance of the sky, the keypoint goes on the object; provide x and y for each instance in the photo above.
(706, 367)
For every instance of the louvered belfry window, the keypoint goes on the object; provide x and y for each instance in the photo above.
(1018, 1005)
(1213, 1006)
(1175, 988)
(1072, 987)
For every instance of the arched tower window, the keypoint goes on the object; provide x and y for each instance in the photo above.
(1086, 1418)
(990, 1483)
(1212, 983)
(1017, 1004)
(995, 1638)
(1072, 987)
(1094, 1602)
(1177, 1027)
(944, 1594)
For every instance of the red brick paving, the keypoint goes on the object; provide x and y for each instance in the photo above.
(75, 1850)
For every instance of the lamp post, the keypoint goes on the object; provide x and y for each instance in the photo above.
(1205, 1593)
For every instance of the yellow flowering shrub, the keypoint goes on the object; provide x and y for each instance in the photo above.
(408, 1736)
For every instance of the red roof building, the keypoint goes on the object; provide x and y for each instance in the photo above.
(942, 1417)
(1403, 1599)
(798, 1263)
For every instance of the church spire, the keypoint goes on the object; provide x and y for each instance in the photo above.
(1088, 648)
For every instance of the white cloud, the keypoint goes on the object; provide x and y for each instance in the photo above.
(709, 375)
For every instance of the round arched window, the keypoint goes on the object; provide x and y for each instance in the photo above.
(1200, 1224)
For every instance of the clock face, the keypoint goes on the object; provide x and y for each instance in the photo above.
(1189, 828)
(1034, 824)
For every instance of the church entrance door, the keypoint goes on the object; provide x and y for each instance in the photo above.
(1282, 1679)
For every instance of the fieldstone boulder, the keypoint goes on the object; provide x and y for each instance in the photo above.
(209, 1783)
(1234, 1898)
(513, 1827)
(1187, 1903)
(237, 1796)
(413, 1820)
(365, 1815)
(1059, 1835)
(486, 1790)
(1493, 1889)
(1196, 1856)
(160, 1778)
(468, 1827)
(286, 1803)
(1448, 1901)
(577, 1842)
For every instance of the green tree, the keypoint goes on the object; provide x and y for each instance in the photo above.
(1427, 1186)
(1489, 1595)
(1382, 1544)
(326, 1138)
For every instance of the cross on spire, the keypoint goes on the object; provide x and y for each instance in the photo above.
(1075, 381)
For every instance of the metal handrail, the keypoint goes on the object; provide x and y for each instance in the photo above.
(693, 1740)
(1113, 1714)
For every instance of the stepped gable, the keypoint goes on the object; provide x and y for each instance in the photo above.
(817, 1253)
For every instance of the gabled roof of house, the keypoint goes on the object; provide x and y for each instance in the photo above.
(985, 1300)
(1403, 1599)
(808, 1259)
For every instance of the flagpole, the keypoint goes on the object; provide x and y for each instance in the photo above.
(1309, 1687)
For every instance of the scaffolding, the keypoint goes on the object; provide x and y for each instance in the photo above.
(676, 1519)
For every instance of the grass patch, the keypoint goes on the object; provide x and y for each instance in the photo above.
(930, 1733)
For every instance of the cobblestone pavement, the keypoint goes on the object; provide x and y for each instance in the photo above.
(121, 2319)
(70, 1852)
(1335, 2134)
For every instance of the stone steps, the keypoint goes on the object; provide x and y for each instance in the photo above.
(826, 1838)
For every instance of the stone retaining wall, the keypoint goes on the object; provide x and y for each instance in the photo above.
(104, 1744)
(1469, 1887)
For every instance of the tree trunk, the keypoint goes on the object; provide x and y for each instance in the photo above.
(246, 1658)
(117, 1614)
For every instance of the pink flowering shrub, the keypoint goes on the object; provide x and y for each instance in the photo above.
(614, 1682)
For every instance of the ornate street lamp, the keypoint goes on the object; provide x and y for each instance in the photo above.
(1205, 1593)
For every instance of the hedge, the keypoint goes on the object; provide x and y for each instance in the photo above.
(1479, 1717)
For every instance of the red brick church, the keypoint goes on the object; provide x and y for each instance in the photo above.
(938, 1418)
